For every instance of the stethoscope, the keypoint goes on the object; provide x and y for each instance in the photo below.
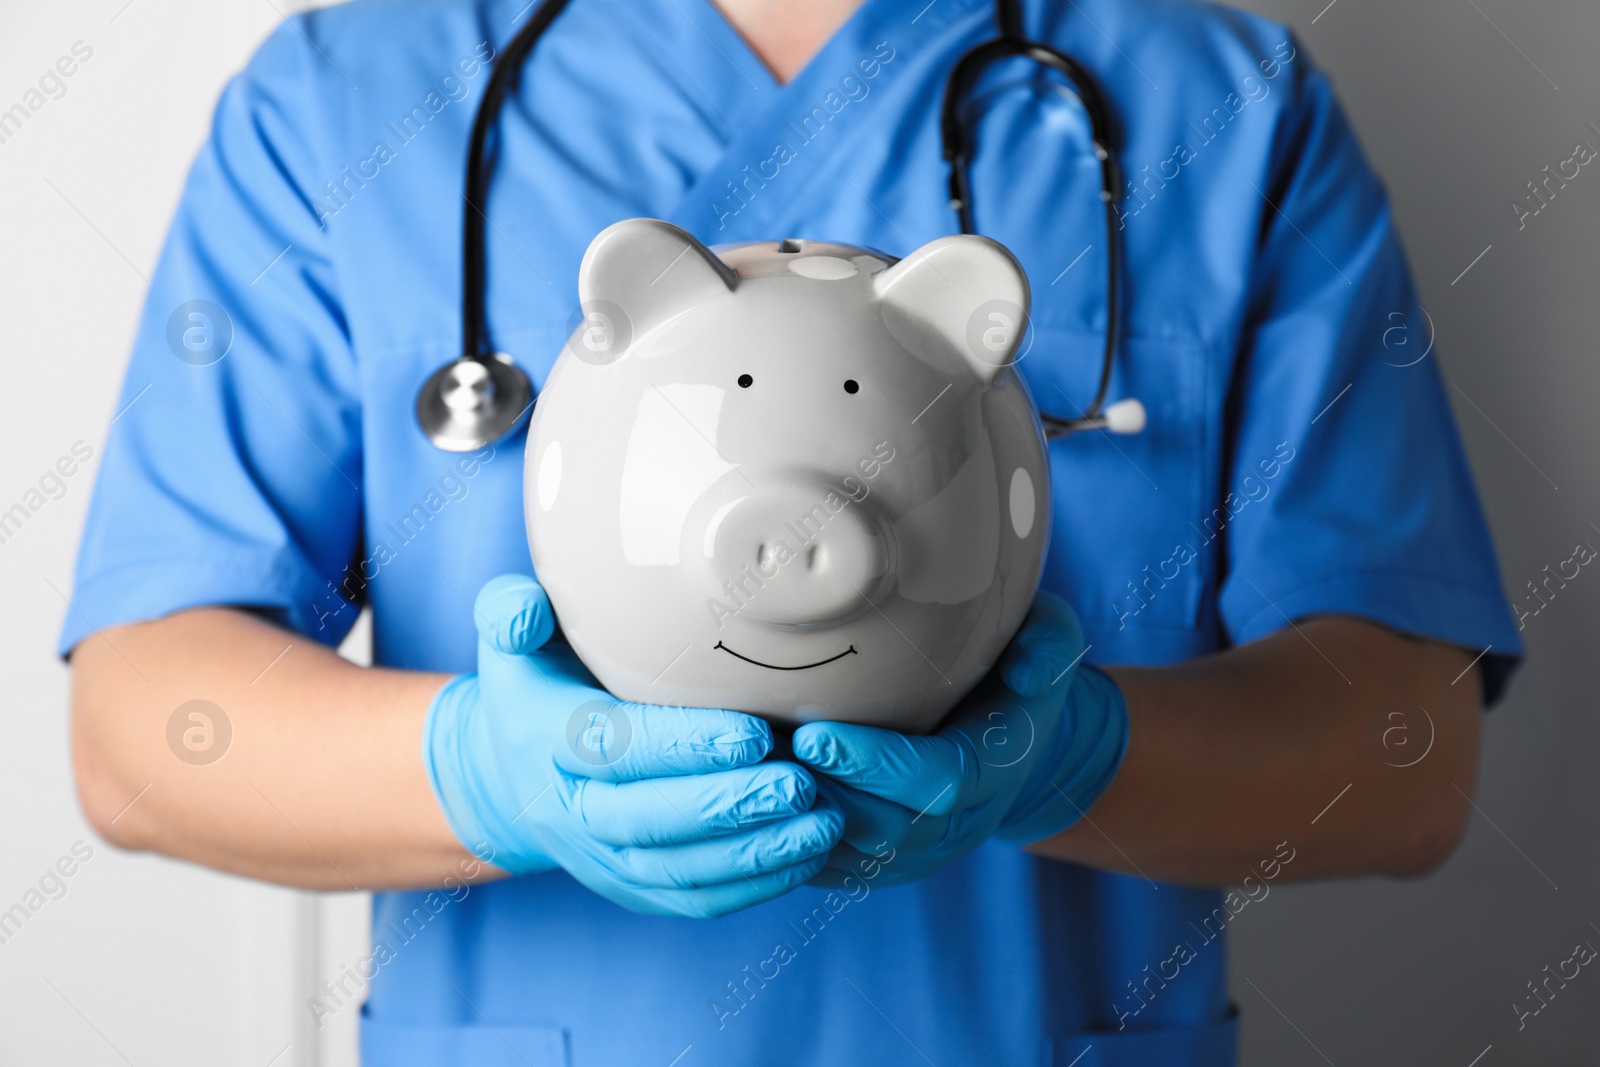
(482, 396)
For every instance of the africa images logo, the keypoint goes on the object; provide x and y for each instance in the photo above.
(199, 332)
(199, 732)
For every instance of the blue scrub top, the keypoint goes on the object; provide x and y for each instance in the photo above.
(1300, 456)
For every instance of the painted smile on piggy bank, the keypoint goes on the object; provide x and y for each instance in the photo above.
(793, 478)
(802, 667)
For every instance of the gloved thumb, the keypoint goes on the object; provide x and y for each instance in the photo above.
(514, 614)
(1049, 645)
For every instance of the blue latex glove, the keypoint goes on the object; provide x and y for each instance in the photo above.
(1021, 758)
(663, 810)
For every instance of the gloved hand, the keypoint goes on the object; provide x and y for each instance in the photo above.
(1021, 758)
(663, 810)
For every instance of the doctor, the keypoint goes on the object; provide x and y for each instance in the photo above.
(1286, 568)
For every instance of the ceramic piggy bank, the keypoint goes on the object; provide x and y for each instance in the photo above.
(793, 478)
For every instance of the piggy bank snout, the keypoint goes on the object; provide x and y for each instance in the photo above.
(799, 554)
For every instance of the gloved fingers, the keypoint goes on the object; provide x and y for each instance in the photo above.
(902, 833)
(1000, 736)
(731, 859)
(691, 808)
(715, 901)
(923, 847)
(967, 829)
(925, 774)
(869, 822)
(513, 614)
(857, 873)
(849, 869)
(918, 839)
(1045, 650)
(612, 740)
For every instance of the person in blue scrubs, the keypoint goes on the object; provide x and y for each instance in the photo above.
(1280, 572)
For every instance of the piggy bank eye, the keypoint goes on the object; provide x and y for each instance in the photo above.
(745, 381)
(850, 385)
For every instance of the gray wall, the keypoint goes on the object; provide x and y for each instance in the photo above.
(1457, 113)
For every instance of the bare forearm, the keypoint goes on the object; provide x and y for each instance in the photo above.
(1231, 754)
(321, 784)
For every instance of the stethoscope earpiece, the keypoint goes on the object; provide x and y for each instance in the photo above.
(473, 401)
(1123, 417)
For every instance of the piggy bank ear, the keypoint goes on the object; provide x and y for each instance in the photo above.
(958, 301)
(650, 270)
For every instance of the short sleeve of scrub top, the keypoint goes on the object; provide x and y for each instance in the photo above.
(1349, 491)
(233, 471)
(1301, 457)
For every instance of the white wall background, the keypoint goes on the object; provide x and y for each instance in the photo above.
(1459, 102)
(143, 960)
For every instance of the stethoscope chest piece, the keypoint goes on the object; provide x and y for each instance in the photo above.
(470, 402)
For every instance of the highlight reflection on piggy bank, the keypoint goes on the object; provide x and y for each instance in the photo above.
(793, 478)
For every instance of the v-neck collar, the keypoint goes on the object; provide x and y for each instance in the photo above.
(699, 50)
(733, 84)
(865, 25)
(906, 27)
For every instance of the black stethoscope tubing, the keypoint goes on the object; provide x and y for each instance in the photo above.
(959, 148)
(474, 309)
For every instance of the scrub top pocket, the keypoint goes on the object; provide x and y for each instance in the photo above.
(1213, 1045)
(1131, 548)
(393, 1044)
